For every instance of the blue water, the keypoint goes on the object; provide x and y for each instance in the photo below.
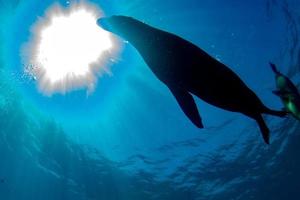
(129, 140)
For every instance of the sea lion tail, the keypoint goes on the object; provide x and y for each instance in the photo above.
(274, 68)
(263, 128)
(265, 132)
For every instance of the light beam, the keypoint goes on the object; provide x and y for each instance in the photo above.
(68, 50)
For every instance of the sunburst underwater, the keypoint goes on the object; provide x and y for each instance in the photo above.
(67, 50)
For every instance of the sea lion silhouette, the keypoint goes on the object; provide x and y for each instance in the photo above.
(288, 93)
(186, 69)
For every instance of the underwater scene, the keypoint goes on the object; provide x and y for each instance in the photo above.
(149, 100)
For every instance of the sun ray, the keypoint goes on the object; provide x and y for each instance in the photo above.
(68, 50)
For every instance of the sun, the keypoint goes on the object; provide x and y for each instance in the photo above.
(68, 50)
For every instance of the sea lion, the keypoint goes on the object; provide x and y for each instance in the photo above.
(186, 69)
(288, 93)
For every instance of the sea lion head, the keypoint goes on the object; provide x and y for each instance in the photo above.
(119, 25)
(123, 26)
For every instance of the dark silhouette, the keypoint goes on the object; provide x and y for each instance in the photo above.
(288, 93)
(186, 69)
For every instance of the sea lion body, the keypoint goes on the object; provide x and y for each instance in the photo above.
(186, 69)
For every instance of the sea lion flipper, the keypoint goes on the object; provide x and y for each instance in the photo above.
(188, 105)
(263, 128)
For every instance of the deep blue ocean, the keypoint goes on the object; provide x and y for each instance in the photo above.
(129, 140)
